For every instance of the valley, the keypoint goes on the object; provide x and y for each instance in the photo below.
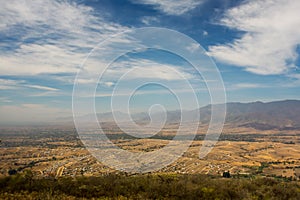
(57, 151)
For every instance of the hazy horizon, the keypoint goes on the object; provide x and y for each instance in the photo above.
(69, 118)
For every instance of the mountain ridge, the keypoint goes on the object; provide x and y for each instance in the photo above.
(284, 114)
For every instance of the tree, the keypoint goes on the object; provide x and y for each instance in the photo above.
(226, 174)
(12, 172)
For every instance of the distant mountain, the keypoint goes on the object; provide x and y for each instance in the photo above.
(281, 115)
(262, 116)
(259, 115)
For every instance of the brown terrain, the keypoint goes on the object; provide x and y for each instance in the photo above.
(246, 147)
(58, 152)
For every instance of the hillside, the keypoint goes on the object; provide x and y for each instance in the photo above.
(259, 115)
(283, 115)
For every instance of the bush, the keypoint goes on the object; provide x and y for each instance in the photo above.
(167, 186)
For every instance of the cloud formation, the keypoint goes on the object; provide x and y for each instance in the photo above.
(147, 69)
(270, 36)
(171, 7)
(9, 84)
(49, 36)
(148, 20)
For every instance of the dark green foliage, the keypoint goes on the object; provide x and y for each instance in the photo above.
(167, 186)
(12, 172)
(226, 174)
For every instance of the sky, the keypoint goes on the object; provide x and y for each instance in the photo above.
(44, 44)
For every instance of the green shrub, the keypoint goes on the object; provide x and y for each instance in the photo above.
(168, 186)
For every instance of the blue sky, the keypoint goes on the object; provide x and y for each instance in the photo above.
(255, 45)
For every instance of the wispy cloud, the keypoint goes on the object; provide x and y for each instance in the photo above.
(9, 84)
(40, 87)
(108, 84)
(193, 47)
(248, 85)
(151, 92)
(147, 69)
(49, 36)
(171, 7)
(271, 35)
(5, 100)
(148, 20)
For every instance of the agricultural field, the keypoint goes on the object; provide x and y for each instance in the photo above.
(57, 152)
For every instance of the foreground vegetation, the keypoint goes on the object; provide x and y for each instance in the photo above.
(167, 186)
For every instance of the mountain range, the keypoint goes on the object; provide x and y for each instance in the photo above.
(259, 115)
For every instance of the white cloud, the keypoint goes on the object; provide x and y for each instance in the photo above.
(193, 47)
(61, 15)
(148, 20)
(49, 93)
(147, 69)
(172, 7)
(61, 33)
(40, 87)
(271, 36)
(109, 84)
(5, 100)
(248, 85)
(9, 84)
(32, 59)
(149, 92)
